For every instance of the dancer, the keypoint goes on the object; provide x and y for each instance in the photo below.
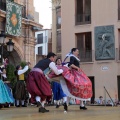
(6, 62)
(74, 64)
(37, 84)
(20, 87)
(58, 93)
(75, 83)
(6, 83)
(4, 92)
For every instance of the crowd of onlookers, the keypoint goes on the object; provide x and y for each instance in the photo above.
(107, 102)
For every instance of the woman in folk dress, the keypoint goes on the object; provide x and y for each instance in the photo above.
(75, 83)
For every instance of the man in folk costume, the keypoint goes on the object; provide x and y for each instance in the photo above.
(37, 84)
(74, 81)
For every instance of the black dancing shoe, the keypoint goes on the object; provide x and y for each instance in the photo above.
(65, 106)
(24, 105)
(83, 108)
(43, 110)
(57, 106)
(38, 104)
(46, 110)
(7, 106)
(17, 105)
(1, 106)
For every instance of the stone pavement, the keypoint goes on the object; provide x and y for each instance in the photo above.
(31, 113)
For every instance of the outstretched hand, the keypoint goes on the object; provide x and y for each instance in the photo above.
(28, 63)
(79, 69)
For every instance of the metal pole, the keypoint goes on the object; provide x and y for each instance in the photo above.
(109, 95)
(105, 96)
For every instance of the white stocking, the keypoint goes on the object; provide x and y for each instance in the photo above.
(17, 101)
(37, 99)
(43, 103)
(22, 102)
(81, 103)
(58, 102)
(64, 99)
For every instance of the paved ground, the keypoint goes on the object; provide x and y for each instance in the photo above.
(31, 113)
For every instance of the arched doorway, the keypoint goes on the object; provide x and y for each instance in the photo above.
(13, 56)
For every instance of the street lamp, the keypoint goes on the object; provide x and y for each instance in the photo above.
(10, 45)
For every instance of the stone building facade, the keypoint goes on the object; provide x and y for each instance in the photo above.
(56, 27)
(44, 43)
(24, 45)
(93, 26)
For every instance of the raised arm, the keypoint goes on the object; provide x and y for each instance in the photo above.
(23, 70)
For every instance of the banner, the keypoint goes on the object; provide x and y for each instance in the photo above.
(13, 18)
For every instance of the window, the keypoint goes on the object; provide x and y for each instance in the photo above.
(58, 41)
(40, 38)
(24, 11)
(58, 15)
(39, 50)
(84, 44)
(2, 25)
(118, 9)
(3, 5)
(83, 12)
(118, 50)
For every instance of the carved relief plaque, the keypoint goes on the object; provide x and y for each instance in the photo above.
(104, 43)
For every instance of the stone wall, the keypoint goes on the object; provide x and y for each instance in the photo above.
(24, 47)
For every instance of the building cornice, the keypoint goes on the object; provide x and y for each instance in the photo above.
(31, 23)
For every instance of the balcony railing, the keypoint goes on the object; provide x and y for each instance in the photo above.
(3, 7)
(87, 56)
(83, 19)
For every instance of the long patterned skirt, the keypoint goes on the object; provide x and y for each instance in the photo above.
(20, 90)
(4, 95)
(9, 92)
(75, 83)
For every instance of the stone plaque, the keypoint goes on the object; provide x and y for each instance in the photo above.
(104, 43)
(104, 68)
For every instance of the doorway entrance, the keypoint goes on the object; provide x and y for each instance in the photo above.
(13, 57)
(93, 89)
(118, 85)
